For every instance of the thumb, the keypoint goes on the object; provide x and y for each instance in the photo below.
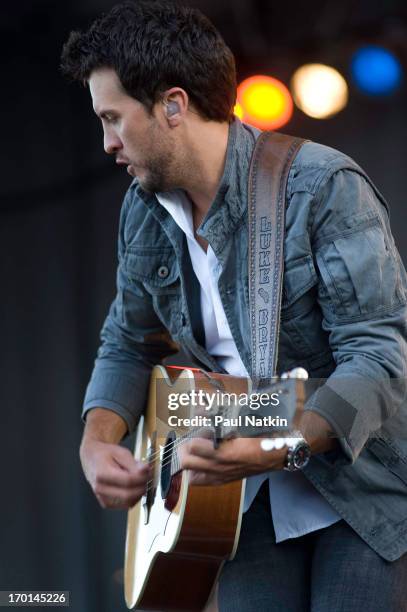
(125, 459)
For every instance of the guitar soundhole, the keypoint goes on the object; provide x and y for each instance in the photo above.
(173, 493)
(166, 464)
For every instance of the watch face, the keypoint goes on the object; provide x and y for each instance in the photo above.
(301, 455)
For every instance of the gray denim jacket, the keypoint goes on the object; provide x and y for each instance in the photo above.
(343, 319)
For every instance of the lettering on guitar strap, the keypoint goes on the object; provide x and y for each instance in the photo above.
(264, 267)
(269, 170)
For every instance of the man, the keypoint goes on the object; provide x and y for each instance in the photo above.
(163, 83)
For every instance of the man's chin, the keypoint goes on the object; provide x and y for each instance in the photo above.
(141, 176)
(138, 172)
(145, 184)
(149, 182)
(131, 170)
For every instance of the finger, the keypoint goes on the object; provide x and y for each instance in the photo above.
(204, 479)
(202, 447)
(112, 497)
(112, 503)
(200, 464)
(113, 491)
(116, 476)
(125, 459)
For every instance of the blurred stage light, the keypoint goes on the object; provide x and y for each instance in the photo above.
(319, 91)
(376, 70)
(238, 111)
(265, 101)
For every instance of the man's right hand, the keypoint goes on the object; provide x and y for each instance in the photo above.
(116, 478)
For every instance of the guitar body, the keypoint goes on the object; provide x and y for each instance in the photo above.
(179, 535)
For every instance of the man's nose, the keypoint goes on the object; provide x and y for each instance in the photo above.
(111, 143)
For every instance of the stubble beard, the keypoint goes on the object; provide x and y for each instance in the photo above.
(162, 173)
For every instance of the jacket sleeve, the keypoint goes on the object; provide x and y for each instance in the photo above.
(133, 340)
(362, 295)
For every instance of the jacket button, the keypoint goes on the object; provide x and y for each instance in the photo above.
(163, 271)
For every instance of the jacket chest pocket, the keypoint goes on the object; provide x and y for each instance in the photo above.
(360, 272)
(157, 269)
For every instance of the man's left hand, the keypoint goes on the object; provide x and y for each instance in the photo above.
(233, 460)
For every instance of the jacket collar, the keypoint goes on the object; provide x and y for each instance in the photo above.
(230, 203)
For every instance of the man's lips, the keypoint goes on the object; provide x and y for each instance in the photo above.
(131, 168)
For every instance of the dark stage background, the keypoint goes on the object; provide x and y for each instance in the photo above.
(60, 201)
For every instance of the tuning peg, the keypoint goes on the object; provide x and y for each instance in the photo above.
(300, 373)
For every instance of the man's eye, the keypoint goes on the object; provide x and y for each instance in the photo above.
(110, 118)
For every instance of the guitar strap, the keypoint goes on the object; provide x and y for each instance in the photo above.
(269, 169)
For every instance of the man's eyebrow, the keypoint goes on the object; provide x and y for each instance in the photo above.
(103, 112)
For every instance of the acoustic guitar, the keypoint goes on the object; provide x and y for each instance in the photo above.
(179, 535)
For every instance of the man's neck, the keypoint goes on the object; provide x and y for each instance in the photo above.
(209, 156)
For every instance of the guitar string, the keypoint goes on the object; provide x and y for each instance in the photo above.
(170, 447)
(225, 411)
(170, 444)
(179, 440)
(186, 436)
(169, 450)
(173, 445)
(149, 484)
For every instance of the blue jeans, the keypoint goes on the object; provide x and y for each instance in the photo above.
(329, 570)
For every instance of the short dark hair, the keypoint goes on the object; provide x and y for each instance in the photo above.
(153, 46)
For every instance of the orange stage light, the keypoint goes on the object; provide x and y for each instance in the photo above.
(266, 102)
(238, 111)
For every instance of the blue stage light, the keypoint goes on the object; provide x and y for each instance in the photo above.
(376, 70)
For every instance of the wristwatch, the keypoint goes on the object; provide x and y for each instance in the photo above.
(298, 450)
(298, 453)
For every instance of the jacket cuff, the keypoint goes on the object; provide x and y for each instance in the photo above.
(131, 422)
(119, 393)
(341, 416)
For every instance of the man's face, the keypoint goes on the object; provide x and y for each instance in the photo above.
(141, 142)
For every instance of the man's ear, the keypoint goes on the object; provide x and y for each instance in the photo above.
(176, 103)
(172, 108)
